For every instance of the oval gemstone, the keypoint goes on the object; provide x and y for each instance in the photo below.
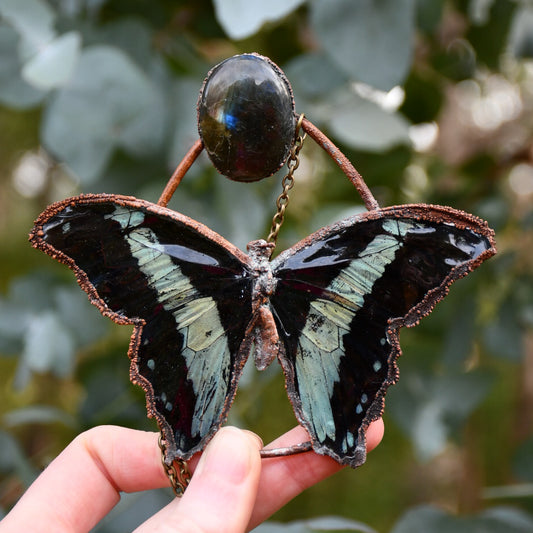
(246, 117)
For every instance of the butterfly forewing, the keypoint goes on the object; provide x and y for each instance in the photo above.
(341, 296)
(178, 283)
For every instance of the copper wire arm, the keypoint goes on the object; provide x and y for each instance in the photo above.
(343, 163)
(181, 169)
(290, 450)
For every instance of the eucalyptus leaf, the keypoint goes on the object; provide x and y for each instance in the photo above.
(38, 414)
(430, 408)
(497, 520)
(109, 103)
(184, 96)
(314, 74)
(13, 321)
(364, 125)
(118, 33)
(503, 336)
(521, 35)
(13, 459)
(242, 18)
(523, 461)
(53, 65)
(33, 20)
(14, 91)
(48, 345)
(133, 509)
(371, 41)
(325, 523)
(81, 318)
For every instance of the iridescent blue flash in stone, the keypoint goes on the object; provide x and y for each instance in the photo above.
(246, 117)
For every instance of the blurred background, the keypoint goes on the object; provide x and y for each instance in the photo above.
(431, 101)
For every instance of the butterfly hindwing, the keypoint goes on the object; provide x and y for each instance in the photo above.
(177, 282)
(341, 296)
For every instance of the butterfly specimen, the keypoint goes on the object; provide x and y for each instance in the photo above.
(329, 309)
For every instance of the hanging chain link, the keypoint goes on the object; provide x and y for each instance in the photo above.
(179, 478)
(287, 183)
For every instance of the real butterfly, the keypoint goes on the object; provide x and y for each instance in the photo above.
(330, 308)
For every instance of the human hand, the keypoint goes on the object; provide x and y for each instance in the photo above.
(232, 489)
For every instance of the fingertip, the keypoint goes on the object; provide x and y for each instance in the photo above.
(230, 454)
(223, 488)
(374, 434)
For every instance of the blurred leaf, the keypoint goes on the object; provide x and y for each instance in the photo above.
(83, 320)
(460, 333)
(423, 98)
(496, 520)
(13, 460)
(523, 461)
(53, 65)
(313, 75)
(429, 408)
(521, 37)
(46, 322)
(490, 39)
(12, 326)
(184, 95)
(429, 14)
(110, 398)
(503, 337)
(33, 20)
(242, 18)
(133, 509)
(38, 414)
(362, 124)
(108, 103)
(371, 41)
(48, 346)
(118, 33)
(325, 523)
(14, 91)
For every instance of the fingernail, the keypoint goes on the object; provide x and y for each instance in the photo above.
(229, 455)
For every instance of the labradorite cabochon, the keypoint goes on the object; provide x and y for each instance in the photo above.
(246, 117)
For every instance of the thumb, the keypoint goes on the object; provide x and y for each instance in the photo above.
(222, 492)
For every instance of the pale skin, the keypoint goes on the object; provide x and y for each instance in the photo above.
(232, 489)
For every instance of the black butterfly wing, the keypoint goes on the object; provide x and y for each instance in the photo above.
(341, 296)
(186, 290)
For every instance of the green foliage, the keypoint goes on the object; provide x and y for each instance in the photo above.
(430, 100)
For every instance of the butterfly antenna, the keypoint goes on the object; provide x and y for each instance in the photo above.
(293, 162)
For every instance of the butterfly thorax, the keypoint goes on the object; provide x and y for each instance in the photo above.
(259, 252)
(264, 331)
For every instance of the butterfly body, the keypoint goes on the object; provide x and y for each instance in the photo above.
(329, 308)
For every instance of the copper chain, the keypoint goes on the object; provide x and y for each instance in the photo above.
(287, 183)
(179, 478)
